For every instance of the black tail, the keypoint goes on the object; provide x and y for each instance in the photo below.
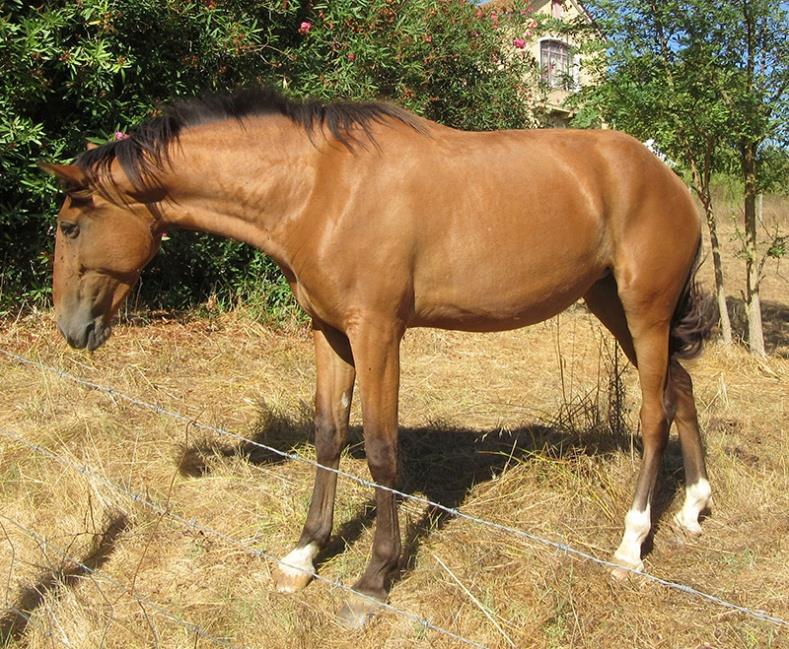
(693, 320)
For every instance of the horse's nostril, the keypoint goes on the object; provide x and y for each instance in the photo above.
(89, 335)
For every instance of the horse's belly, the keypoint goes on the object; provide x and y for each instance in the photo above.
(517, 261)
(510, 303)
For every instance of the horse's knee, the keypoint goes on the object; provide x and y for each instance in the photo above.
(328, 438)
(382, 459)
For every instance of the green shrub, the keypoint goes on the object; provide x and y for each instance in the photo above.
(80, 70)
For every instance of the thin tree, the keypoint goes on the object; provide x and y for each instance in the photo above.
(702, 77)
(753, 47)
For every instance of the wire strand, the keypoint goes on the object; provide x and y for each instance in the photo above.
(196, 526)
(522, 534)
(160, 610)
(29, 621)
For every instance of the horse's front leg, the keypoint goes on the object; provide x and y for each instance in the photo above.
(376, 348)
(335, 376)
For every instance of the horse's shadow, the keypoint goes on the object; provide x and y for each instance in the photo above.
(273, 428)
(442, 463)
(14, 621)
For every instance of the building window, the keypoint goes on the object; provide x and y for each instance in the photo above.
(555, 64)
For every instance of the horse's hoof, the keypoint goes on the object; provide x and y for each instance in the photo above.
(689, 527)
(624, 568)
(295, 570)
(357, 612)
(290, 582)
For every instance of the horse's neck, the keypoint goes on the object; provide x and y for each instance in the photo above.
(251, 184)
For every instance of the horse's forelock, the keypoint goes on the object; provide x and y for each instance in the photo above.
(141, 156)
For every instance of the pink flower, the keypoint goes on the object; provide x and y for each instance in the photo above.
(305, 27)
(428, 38)
(519, 43)
(119, 135)
(351, 57)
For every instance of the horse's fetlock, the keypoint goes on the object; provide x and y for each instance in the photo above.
(388, 552)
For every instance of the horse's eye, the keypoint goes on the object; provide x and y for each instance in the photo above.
(71, 230)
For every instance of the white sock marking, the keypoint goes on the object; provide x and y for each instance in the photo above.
(697, 497)
(637, 525)
(298, 562)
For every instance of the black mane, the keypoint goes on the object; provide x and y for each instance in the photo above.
(144, 152)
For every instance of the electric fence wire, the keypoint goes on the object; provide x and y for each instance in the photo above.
(194, 525)
(454, 512)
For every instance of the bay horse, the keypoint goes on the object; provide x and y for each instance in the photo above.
(381, 221)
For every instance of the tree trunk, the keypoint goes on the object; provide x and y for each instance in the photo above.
(720, 293)
(752, 279)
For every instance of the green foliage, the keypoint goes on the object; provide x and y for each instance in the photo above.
(774, 170)
(777, 248)
(442, 59)
(685, 73)
(72, 71)
(657, 81)
(77, 71)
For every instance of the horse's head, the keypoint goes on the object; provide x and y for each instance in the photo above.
(101, 246)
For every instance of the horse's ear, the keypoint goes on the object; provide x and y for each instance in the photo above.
(71, 175)
(91, 145)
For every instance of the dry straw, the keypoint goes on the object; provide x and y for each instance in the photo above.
(196, 526)
(522, 534)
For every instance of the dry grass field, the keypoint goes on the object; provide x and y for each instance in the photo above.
(535, 429)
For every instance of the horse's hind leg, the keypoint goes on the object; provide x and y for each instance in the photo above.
(603, 300)
(650, 340)
(698, 495)
(650, 355)
(335, 377)
(659, 403)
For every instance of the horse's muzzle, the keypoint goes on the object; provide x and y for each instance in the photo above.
(80, 335)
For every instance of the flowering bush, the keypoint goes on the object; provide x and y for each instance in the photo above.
(93, 69)
(444, 59)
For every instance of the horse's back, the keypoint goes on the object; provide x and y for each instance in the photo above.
(512, 227)
(490, 231)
